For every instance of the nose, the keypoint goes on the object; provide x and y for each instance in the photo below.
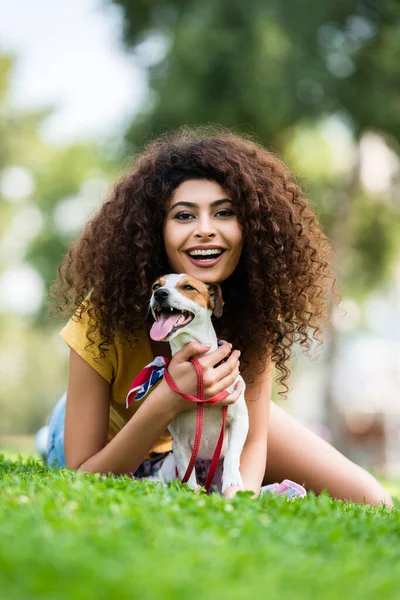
(205, 235)
(161, 294)
(205, 228)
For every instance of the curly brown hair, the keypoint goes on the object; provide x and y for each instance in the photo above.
(280, 285)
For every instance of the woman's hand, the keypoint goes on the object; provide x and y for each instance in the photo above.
(215, 380)
(231, 491)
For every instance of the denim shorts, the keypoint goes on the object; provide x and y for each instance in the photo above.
(55, 458)
(55, 444)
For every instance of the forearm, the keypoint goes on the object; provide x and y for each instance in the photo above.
(252, 467)
(124, 453)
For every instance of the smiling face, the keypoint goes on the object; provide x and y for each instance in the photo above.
(202, 235)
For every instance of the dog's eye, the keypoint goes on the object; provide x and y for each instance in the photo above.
(156, 286)
(189, 287)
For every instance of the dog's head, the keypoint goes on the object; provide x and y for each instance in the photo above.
(178, 300)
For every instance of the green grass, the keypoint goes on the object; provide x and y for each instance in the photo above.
(65, 535)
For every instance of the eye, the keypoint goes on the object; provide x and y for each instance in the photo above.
(189, 287)
(183, 216)
(228, 213)
(156, 286)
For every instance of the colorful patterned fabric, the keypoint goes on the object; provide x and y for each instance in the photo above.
(286, 488)
(146, 379)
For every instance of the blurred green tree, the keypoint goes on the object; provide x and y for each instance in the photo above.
(46, 195)
(57, 186)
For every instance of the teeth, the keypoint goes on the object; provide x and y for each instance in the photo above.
(205, 252)
(158, 309)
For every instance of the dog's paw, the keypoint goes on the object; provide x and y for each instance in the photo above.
(234, 479)
(193, 485)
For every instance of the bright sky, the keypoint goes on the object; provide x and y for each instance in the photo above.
(69, 55)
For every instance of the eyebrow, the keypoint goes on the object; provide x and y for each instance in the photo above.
(194, 205)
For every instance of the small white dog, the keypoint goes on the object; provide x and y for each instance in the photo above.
(182, 307)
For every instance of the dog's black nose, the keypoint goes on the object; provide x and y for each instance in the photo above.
(161, 295)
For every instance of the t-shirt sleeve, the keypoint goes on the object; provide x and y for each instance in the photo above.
(74, 333)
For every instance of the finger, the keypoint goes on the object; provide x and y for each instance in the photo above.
(233, 396)
(216, 356)
(190, 350)
(227, 367)
(222, 385)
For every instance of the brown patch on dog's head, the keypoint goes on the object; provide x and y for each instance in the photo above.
(194, 289)
(160, 282)
(207, 295)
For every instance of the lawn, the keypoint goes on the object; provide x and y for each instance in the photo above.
(65, 535)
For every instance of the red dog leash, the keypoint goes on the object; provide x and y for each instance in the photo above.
(199, 421)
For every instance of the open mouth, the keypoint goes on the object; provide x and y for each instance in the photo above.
(205, 258)
(168, 320)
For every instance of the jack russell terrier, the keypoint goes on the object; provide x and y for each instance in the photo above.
(182, 307)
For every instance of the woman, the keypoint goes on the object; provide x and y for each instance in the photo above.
(207, 189)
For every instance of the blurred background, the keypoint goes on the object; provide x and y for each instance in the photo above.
(84, 83)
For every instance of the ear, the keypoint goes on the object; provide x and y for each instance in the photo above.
(216, 303)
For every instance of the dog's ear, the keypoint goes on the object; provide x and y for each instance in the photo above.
(216, 302)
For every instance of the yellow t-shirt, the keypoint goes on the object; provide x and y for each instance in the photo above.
(119, 368)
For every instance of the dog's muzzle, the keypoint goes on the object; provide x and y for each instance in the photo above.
(168, 318)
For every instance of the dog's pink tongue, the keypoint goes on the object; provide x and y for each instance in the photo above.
(163, 326)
